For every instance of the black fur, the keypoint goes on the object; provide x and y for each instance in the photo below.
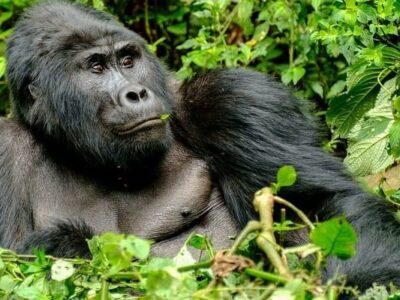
(65, 239)
(246, 126)
(242, 123)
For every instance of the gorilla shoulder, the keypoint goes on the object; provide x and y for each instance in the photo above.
(17, 145)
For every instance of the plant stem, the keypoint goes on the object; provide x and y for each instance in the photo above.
(250, 227)
(265, 275)
(301, 215)
(104, 289)
(264, 204)
(200, 265)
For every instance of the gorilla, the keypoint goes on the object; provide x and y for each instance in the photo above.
(90, 148)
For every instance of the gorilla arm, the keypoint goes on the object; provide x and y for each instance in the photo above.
(15, 216)
(18, 161)
(246, 126)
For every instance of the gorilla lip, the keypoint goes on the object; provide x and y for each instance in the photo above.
(132, 127)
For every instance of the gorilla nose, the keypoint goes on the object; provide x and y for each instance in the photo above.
(134, 96)
(131, 95)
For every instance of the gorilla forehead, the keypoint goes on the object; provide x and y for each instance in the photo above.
(57, 25)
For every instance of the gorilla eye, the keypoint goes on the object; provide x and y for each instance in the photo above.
(97, 68)
(127, 62)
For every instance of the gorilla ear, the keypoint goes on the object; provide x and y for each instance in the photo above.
(34, 91)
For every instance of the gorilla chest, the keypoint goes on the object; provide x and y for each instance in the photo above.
(179, 199)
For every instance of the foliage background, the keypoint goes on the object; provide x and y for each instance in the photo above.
(342, 56)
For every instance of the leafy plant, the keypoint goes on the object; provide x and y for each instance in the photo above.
(365, 114)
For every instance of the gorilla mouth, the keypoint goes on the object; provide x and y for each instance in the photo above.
(133, 127)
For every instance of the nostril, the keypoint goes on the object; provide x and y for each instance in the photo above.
(143, 94)
(132, 96)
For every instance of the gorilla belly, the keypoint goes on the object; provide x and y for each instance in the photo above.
(181, 201)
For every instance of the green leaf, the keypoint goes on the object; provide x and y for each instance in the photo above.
(198, 241)
(373, 55)
(245, 8)
(298, 73)
(394, 139)
(317, 88)
(368, 156)
(336, 89)
(114, 252)
(61, 270)
(178, 29)
(369, 138)
(335, 237)
(2, 66)
(293, 74)
(165, 117)
(347, 109)
(316, 4)
(98, 4)
(7, 283)
(184, 257)
(286, 176)
(30, 293)
(138, 247)
(5, 16)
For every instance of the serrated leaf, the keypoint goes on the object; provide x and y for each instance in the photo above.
(335, 237)
(368, 139)
(347, 109)
(368, 156)
(369, 128)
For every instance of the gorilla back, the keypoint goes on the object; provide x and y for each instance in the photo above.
(88, 150)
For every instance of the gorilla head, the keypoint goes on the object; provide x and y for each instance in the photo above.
(88, 85)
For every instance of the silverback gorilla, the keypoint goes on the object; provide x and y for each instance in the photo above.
(87, 151)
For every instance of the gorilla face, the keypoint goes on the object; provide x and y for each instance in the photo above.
(94, 89)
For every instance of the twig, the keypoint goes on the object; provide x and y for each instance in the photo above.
(264, 204)
(301, 215)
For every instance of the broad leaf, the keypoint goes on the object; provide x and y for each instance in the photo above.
(368, 156)
(363, 86)
(335, 237)
(369, 138)
(286, 176)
